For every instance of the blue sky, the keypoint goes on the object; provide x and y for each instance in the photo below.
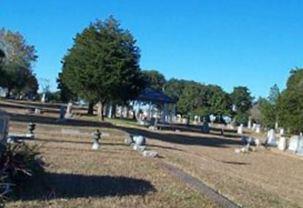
(225, 42)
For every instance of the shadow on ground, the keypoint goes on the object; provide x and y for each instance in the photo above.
(211, 140)
(184, 139)
(68, 186)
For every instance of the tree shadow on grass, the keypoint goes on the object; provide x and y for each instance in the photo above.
(234, 162)
(209, 140)
(54, 121)
(69, 186)
(203, 140)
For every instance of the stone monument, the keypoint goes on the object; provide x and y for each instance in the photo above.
(4, 125)
(240, 129)
(271, 138)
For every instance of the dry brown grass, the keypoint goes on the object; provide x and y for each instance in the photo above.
(258, 179)
(114, 176)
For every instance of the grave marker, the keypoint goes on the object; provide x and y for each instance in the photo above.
(4, 124)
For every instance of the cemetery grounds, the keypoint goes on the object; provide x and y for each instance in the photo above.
(117, 176)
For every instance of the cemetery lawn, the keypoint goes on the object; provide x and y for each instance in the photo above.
(116, 176)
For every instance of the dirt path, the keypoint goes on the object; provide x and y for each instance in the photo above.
(198, 185)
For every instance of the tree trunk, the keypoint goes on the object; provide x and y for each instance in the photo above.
(100, 110)
(127, 112)
(114, 111)
(90, 110)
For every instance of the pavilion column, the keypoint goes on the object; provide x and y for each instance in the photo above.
(149, 110)
(165, 112)
(138, 112)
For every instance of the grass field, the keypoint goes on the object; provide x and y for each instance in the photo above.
(117, 176)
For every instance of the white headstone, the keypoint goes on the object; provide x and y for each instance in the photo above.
(249, 124)
(184, 120)
(258, 128)
(212, 118)
(257, 142)
(196, 119)
(296, 144)
(281, 131)
(139, 140)
(68, 113)
(96, 145)
(37, 111)
(179, 118)
(240, 129)
(282, 143)
(271, 137)
(276, 125)
(43, 99)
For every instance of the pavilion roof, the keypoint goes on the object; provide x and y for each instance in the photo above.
(154, 96)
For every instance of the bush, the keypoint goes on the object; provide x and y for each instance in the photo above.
(18, 163)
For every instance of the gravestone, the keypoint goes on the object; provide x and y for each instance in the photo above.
(296, 144)
(139, 142)
(227, 119)
(240, 129)
(68, 113)
(282, 143)
(271, 138)
(4, 124)
(37, 111)
(281, 131)
(258, 128)
(276, 125)
(184, 120)
(43, 98)
(96, 136)
(196, 119)
(212, 118)
(179, 118)
(249, 125)
(205, 127)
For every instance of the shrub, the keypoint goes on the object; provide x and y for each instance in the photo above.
(18, 163)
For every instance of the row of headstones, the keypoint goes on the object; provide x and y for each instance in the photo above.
(64, 113)
(197, 119)
(294, 143)
(273, 139)
(256, 128)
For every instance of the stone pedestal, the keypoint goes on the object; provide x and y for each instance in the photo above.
(96, 145)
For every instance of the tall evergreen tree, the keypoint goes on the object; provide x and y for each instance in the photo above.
(290, 103)
(103, 64)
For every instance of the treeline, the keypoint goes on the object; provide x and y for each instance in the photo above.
(285, 108)
(102, 67)
(16, 62)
